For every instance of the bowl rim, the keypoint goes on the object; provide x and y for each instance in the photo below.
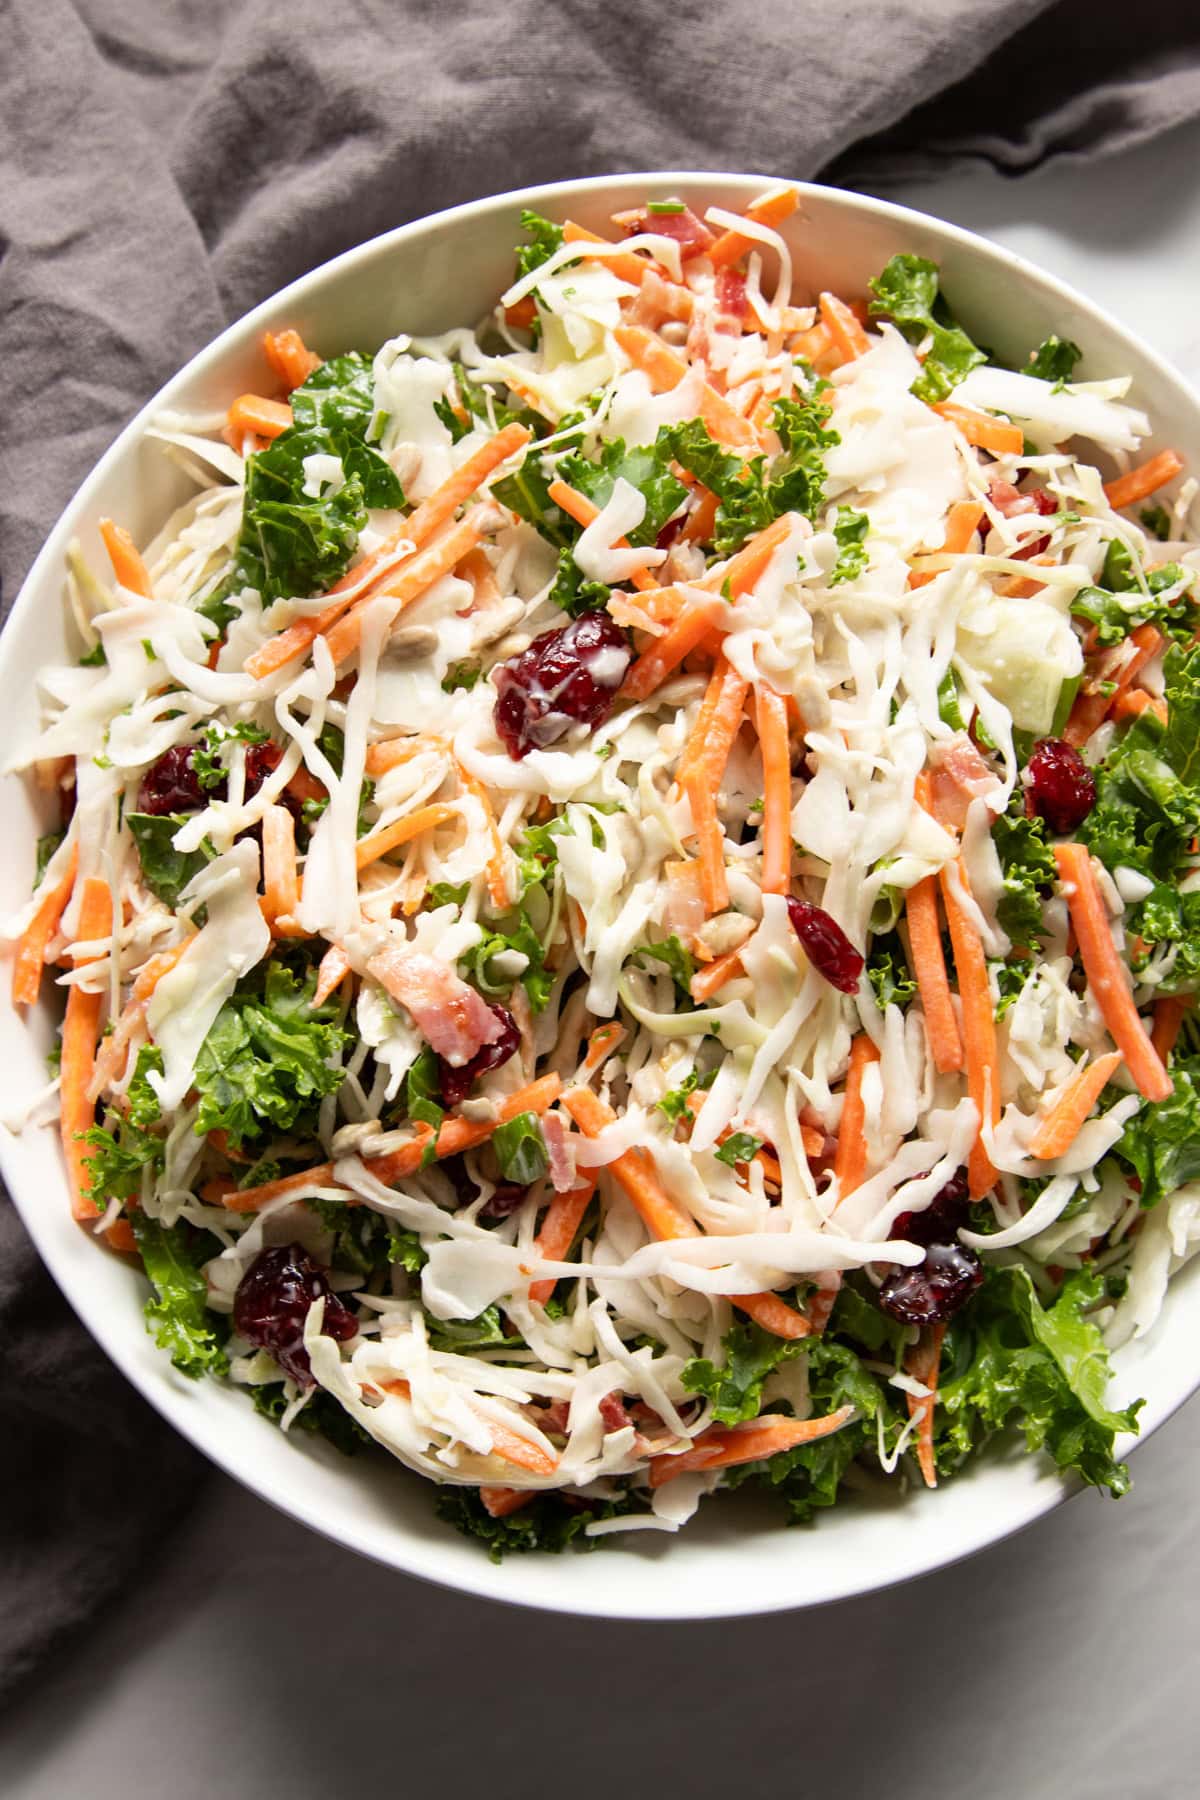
(480, 1577)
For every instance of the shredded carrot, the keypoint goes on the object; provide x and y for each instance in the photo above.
(119, 1236)
(1062, 1122)
(848, 336)
(250, 1199)
(389, 753)
(769, 209)
(457, 1135)
(303, 786)
(564, 1215)
(998, 436)
(978, 1023)
(962, 522)
(922, 1362)
(633, 1169)
(1169, 1014)
(702, 520)
(31, 949)
(702, 782)
(331, 972)
(511, 1446)
(281, 882)
(1138, 483)
(1130, 703)
(1106, 976)
(698, 735)
(577, 506)
(667, 652)
(627, 265)
(723, 1446)
(666, 370)
(290, 357)
(929, 967)
(81, 1028)
(850, 1160)
(772, 720)
(420, 525)
(523, 314)
(773, 1314)
(265, 418)
(708, 981)
(743, 570)
(601, 1044)
(401, 831)
(404, 585)
(497, 876)
(126, 560)
(498, 1502)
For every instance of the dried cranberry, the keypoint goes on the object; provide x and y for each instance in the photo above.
(260, 760)
(272, 1302)
(456, 1084)
(564, 678)
(935, 1289)
(1060, 785)
(828, 948)
(171, 784)
(506, 1199)
(940, 1220)
(670, 531)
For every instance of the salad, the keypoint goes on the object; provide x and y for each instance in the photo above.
(626, 889)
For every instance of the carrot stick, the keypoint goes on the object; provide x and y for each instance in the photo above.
(577, 506)
(401, 831)
(1130, 703)
(281, 883)
(512, 1446)
(119, 1236)
(850, 1159)
(250, 1199)
(1169, 1014)
(1106, 973)
(770, 209)
(303, 786)
(702, 783)
(1152, 475)
(666, 370)
(962, 522)
(497, 877)
(290, 357)
(420, 525)
(708, 981)
(743, 570)
(1061, 1124)
(997, 435)
(404, 585)
(81, 1028)
(331, 972)
(601, 1044)
(847, 334)
(978, 1025)
(31, 949)
(126, 560)
(929, 966)
(626, 266)
(523, 314)
(773, 1314)
(457, 1135)
(922, 1362)
(498, 1502)
(265, 418)
(722, 1446)
(633, 1169)
(667, 652)
(702, 520)
(389, 753)
(564, 1215)
(698, 735)
(772, 720)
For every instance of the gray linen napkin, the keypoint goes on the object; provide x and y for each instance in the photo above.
(164, 165)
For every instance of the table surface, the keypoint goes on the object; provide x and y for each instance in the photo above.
(254, 1659)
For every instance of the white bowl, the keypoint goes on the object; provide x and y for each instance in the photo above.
(733, 1558)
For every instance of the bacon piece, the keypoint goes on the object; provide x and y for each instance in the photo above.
(558, 1148)
(613, 1413)
(690, 233)
(729, 295)
(960, 775)
(450, 1015)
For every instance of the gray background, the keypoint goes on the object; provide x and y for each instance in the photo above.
(251, 1660)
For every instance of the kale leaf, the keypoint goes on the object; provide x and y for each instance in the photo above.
(177, 1313)
(907, 292)
(165, 870)
(1054, 359)
(269, 1057)
(735, 1385)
